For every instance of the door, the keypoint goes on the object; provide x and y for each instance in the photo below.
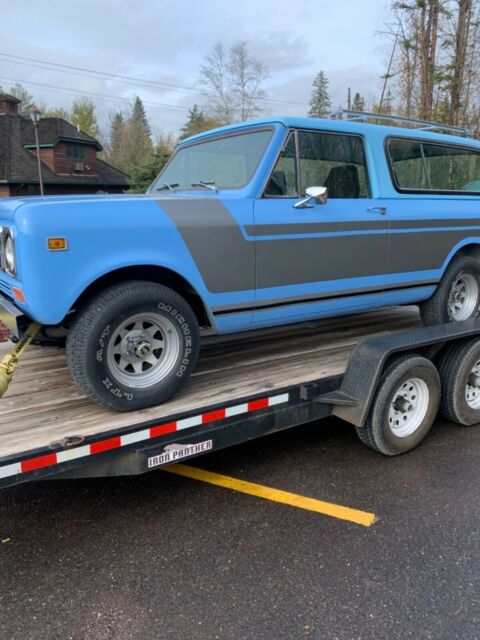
(325, 258)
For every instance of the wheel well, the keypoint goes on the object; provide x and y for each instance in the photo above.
(153, 274)
(471, 250)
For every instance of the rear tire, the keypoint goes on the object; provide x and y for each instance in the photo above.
(404, 407)
(457, 296)
(459, 370)
(133, 346)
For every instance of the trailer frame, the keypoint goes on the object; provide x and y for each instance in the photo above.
(149, 445)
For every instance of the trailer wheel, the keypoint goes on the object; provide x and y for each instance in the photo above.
(459, 370)
(404, 407)
(133, 345)
(457, 296)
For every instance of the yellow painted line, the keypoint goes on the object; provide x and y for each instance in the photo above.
(276, 495)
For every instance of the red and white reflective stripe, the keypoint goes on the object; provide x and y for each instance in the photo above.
(155, 431)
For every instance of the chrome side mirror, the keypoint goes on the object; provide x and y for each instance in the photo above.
(319, 194)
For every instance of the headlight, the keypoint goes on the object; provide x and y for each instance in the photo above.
(8, 252)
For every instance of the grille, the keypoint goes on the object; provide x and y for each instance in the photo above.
(5, 288)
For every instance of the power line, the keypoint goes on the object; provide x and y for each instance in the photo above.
(82, 71)
(100, 96)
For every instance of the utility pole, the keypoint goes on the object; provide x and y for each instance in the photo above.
(35, 115)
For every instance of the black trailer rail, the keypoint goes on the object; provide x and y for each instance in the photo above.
(150, 444)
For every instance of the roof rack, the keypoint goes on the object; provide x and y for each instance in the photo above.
(422, 125)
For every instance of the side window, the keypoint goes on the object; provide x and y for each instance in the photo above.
(283, 181)
(419, 166)
(335, 161)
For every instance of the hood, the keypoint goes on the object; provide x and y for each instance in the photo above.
(8, 206)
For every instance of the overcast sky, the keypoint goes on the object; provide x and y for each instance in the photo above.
(166, 42)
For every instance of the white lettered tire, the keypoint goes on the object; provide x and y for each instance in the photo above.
(133, 345)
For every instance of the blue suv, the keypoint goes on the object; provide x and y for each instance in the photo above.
(252, 225)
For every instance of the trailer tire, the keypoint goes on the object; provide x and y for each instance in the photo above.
(459, 369)
(404, 407)
(133, 345)
(457, 296)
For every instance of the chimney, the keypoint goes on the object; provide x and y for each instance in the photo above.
(8, 104)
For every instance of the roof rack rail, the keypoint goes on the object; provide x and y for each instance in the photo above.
(422, 125)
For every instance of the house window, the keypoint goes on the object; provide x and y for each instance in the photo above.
(76, 152)
(421, 166)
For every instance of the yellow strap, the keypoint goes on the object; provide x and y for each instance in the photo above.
(10, 360)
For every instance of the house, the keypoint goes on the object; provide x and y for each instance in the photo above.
(68, 156)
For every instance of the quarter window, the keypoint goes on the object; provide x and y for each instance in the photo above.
(283, 181)
(421, 166)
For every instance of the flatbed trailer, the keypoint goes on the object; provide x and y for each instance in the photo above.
(245, 386)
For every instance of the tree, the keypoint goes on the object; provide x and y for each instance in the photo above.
(144, 174)
(358, 103)
(320, 105)
(215, 81)
(232, 83)
(83, 116)
(139, 148)
(55, 112)
(246, 77)
(26, 98)
(459, 63)
(197, 123)
(116, 143)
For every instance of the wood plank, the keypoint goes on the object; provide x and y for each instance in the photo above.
(43, 405)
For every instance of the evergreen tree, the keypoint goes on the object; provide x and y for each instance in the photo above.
(139, 146)
(320, 105)
(83, 116)
(358, 103)
(197, 123)
(144, 174)
(117, 135)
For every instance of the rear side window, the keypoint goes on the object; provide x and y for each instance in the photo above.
(421, 166)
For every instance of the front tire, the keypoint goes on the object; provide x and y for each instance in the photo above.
(457, 297)
(133, 345)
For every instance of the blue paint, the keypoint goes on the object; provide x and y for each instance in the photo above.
(106, 233)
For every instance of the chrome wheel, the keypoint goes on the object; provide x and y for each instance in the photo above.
(143, 350)
(408, 407)
(472, 390)
(464, 298)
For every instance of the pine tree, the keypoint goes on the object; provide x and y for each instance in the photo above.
(83, 116)
(197, 123)
(320, 105)
(139, 146)
(358, 103)
(117, 135)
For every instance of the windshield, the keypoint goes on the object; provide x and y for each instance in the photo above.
(225, 163)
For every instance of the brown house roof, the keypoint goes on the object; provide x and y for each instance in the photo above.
(19, 165)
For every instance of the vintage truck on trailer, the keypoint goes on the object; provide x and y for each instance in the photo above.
(263, 223)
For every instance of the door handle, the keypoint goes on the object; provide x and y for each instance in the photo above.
(381, 210)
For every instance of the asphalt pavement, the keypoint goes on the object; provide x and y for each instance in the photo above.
(160, 556)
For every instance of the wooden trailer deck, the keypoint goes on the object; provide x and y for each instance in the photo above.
(43, 405)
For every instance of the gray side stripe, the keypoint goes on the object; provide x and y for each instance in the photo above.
(223, 256)
(366, 225)
(226, 260)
